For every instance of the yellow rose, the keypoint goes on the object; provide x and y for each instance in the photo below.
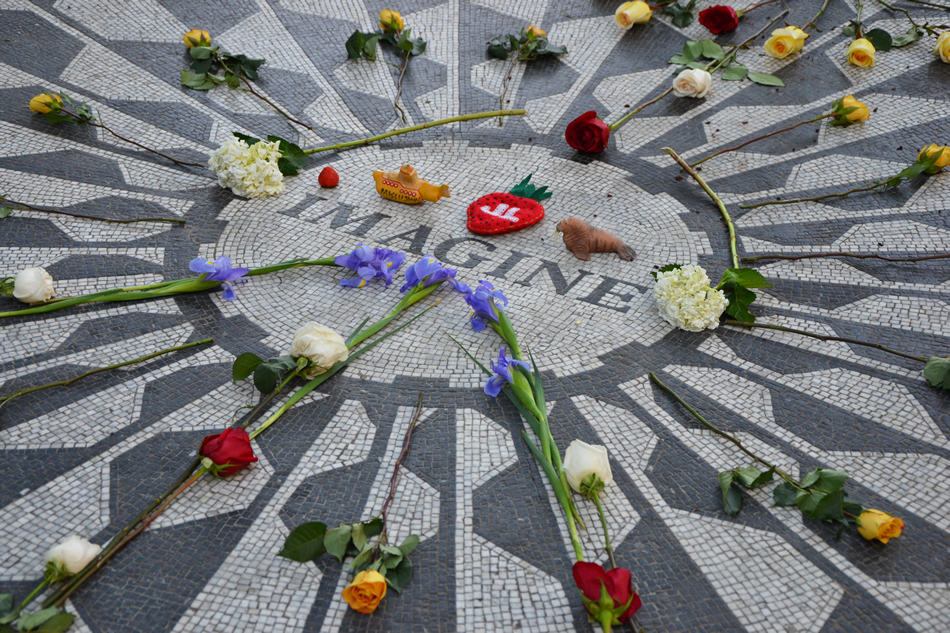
(535, 31)
(943, 47)
(390, 20)
(41, 103)
(366, 590)
(630, 13)
(860, 112)
(784, 42)
(861, 53)
(196, 37)
(942, 161)
(878, 525)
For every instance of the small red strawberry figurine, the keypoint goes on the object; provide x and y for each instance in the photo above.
(328, 177)
(507, 212)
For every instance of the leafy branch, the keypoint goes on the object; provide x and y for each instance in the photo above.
(13, 205)
(526, 46)
(364, 46)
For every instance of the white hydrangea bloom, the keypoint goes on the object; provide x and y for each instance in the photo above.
(250, 172)
(686, 299)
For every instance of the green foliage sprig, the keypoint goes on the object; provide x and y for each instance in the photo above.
(207, 61)
(708, 55)
(526, 46)
(681, 11)
(937, 372)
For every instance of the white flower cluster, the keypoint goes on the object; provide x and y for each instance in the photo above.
(252, 171)
(686, 299)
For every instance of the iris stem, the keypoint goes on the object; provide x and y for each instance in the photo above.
(764, 136)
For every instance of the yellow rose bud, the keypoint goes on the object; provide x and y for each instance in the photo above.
(861, 53)
(41, 104)
(784, 42)
(943, 47)
(630, 13)
(196, 37)
(879, 525)
(942, 161)
(366, 591)
(390, 20)
(861, 111)
(799, 35)
(535, 32)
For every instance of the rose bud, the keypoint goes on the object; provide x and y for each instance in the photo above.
(608, 595)
(41, 104)
(587, 133)
(719, 19)
(390, 20)
(784, 42)
(228, 452)
(69, 557)
(630, 13)
(196, 37)
(366, 591)
(861, 53)
(942, 161)
(874, 524)
(33, 285)
(943, 47)
(321, 345)
(535, 32)
(583, 461)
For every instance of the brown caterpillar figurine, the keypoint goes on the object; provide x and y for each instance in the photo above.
(582, 239)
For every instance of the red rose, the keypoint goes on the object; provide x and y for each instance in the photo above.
(719, 19)
(619, 585)
(231, 449)
(587, 133)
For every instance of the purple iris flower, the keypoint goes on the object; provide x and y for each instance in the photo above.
(220, 270)
(370, 263)
(484, 302)
(430, 271)
(503, 368)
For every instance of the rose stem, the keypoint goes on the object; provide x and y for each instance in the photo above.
(507, 78)
(30, 207)
(721, 433)
(906, 12)
(415, 128)
(871, 187)
(859, 30)
(402, 73)
(823, 337)
(755, 6)
(722, 207)
(811, 23)
(384, 535)
(603, 522)
(30, 597)
(930, 4)
(865, 256)
(640, 109)
(250, 89)
(64, 383)
(128, 140)
(759, 138)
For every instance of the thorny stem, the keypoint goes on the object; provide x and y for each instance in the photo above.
(251, 90)
(811, 23)
(30, 207)
(640, 109)
(871, 187)
(383, 535)
(712, 194)
(603, 522)
(416, 128)
(930, 4)
(30, 597)
(823, 337)
(855, 255)
(507, 78)
(904, 11)
(759, 138)
(83, 121)
(402, 73)
(755, 6)
(859, 28)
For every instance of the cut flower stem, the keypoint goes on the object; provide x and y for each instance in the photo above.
(759, 138)
(922, 258)
(22, 206)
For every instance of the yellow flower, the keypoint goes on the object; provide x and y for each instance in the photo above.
(942, 161)
(196, 37)
(42, 104)
(879, 525)
(943, 47)
(861, 53)
(535, 31)
(630, 13)
(365, 592)
(860, 112)
(390, 20)
(785, 41)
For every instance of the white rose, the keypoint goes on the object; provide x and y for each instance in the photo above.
(583, 459)
(71, 556)
(692, 82)
(33, 285)
(319, 344)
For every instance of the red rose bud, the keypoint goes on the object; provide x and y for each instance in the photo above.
(328, 177)
(229, 452)
(719, 19)
(608, 595)
(587, 133)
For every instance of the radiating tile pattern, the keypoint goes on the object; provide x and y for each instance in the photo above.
(495, 552)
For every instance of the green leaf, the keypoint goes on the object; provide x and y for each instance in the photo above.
(359, 536)
(6, 603)
(250, 140)
(265, 378)
(784, 495)
(5, 211)
(811, 478)
(682, 14)
(195, 81)
(766, 79)
(497, 47)
(369, 48)
(337, 540)
(848, 30)
(391, 562)
(409, 545)
(400, 576)
(745, 277)
(937, 372)
(201, 66)
(679, 59)
(244, 365)
(292, 157)
(880, 39)
(830, 480)
(731, 496)
(712, 50)
(739, 301)
(305, 542)
(200, 52)
(665, 269)
(33, 620)
(354, 45)
(373, 527)
(232, 80)
(362, 559)
(752, 477)
(736, 72)
(912, 35)
(830, 507)
(56, 624)
(807, 500)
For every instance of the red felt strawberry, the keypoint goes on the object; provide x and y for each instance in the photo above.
(328, 177)
(507, 212)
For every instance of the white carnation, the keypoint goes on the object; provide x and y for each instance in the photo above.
(250, 172)
(686, 299)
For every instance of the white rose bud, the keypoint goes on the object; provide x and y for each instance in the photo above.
(583, 460)
(320, 345)
(33, 285)
(692, 82)
(70, 557)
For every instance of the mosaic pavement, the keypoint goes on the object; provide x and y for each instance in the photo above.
(494, 556)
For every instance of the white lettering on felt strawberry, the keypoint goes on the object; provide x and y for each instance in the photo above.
(503, 211)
